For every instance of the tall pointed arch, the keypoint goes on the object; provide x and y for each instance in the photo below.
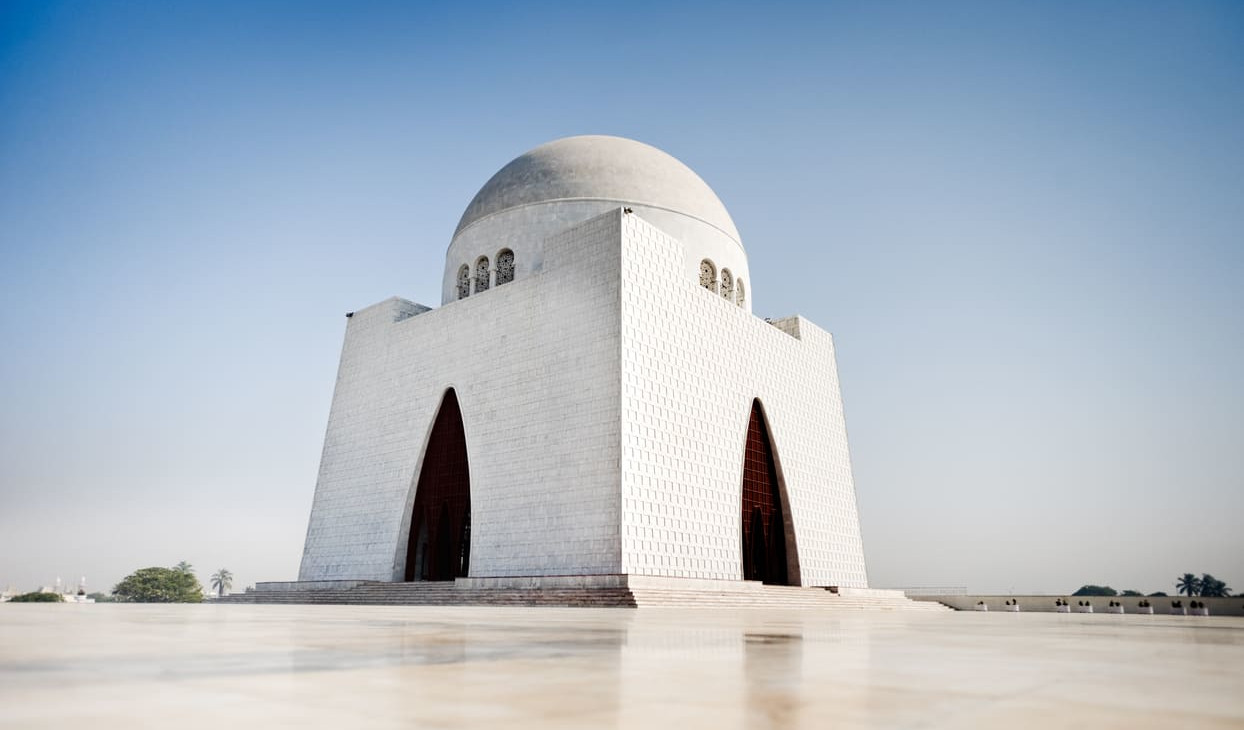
(767, 537)
(439, 545)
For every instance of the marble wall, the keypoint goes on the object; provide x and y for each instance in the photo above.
(535, 367)
(692, 362)
(605, 398)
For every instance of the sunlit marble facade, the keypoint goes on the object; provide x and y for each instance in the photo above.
(593, 398)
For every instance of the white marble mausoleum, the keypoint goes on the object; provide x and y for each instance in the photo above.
(593, 398)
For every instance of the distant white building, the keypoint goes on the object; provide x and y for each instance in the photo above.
(592, 398)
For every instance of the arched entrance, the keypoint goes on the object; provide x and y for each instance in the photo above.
(763, 518)
(439, 546)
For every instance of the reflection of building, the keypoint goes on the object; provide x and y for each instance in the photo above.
(593, 398)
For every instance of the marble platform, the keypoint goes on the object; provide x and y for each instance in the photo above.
(213, 666)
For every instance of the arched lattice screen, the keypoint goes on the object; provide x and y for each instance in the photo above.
(481, 274)
(464, 281)
(505, 267)
(740, 294)
(708, 275)
(727, 285)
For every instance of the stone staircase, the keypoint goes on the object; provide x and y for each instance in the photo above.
(741, 595)
(369, 593)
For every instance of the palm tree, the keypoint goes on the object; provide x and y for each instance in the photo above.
(183, 567)
(1213, 588)
(1188, 584)
(222, 580)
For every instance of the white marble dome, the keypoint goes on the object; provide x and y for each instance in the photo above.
(567, 181)
(615, 170)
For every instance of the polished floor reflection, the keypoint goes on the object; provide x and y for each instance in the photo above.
(380, 667)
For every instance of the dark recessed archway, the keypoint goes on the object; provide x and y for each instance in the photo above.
(764, 524)
(439, 546)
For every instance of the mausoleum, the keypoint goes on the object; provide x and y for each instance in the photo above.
(593, 398)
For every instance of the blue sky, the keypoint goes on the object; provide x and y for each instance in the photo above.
(1023, 222)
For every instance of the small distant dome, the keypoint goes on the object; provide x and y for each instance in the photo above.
(599, 168)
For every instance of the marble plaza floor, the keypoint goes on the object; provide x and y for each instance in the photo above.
(242, 666)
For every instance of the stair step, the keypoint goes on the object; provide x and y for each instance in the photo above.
(447, 594)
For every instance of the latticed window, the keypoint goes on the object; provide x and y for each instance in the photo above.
(481, 274)
(505, 267)
(740, 294)
(727, 285)
(464, 282)
(708, 275)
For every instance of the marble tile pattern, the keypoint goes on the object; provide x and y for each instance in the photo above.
(535, 367)
(213, 666)
(692, 362)
(605, 400)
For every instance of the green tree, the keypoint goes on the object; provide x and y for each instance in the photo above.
(1188, 584)
(222, 580)
(100, 597)
(1211, 587)
(159, 585)
(38, 597)
(1091, 590)
(184, 567)
(1131, 593)
(1158, 594)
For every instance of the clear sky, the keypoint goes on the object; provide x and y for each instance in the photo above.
(1023, 223)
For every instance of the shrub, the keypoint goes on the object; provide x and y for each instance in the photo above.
(1092, 590)
(159, 585)
(38, 597)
